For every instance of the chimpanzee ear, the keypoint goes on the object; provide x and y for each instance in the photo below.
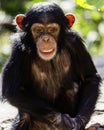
(19, 19)
(71, 19)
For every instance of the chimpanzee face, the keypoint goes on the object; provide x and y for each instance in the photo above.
(46, 37)
(45, 21)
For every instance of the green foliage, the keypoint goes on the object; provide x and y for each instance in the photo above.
(5, 47)
(91, 4)
(90, 25)
(3, 59)
(30, 3)
(13, 7)
(84, 4)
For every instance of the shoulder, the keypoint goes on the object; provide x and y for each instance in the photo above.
(74, 36)
(75, 42)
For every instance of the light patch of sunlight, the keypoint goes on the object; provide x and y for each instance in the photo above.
(6, 49)
(92, 36)
(101, 28)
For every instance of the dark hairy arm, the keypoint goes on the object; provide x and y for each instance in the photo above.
(89, 80)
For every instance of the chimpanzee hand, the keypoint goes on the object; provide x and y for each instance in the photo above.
(64, 122)
(72, 123)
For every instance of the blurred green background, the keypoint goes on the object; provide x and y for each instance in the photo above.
(89, 22)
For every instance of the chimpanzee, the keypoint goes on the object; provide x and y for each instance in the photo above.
(50, 76)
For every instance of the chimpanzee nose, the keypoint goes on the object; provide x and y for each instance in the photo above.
(46, 38)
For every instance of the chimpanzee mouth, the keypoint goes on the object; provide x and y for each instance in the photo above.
(47, 52)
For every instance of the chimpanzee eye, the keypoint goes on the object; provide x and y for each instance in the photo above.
(52, 30)
(39, 31)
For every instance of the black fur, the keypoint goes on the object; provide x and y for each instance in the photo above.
(50, 94)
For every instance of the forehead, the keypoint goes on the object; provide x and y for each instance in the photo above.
(46, 19)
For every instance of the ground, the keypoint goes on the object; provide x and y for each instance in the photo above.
(8, 112)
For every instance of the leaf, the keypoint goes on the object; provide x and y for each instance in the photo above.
(84, 4)
(99, 4)
(91, 4)
(102, 8)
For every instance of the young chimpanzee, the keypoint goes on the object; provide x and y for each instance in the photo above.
(50, 76)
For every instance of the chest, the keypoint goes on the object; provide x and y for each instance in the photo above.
(50, 77)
